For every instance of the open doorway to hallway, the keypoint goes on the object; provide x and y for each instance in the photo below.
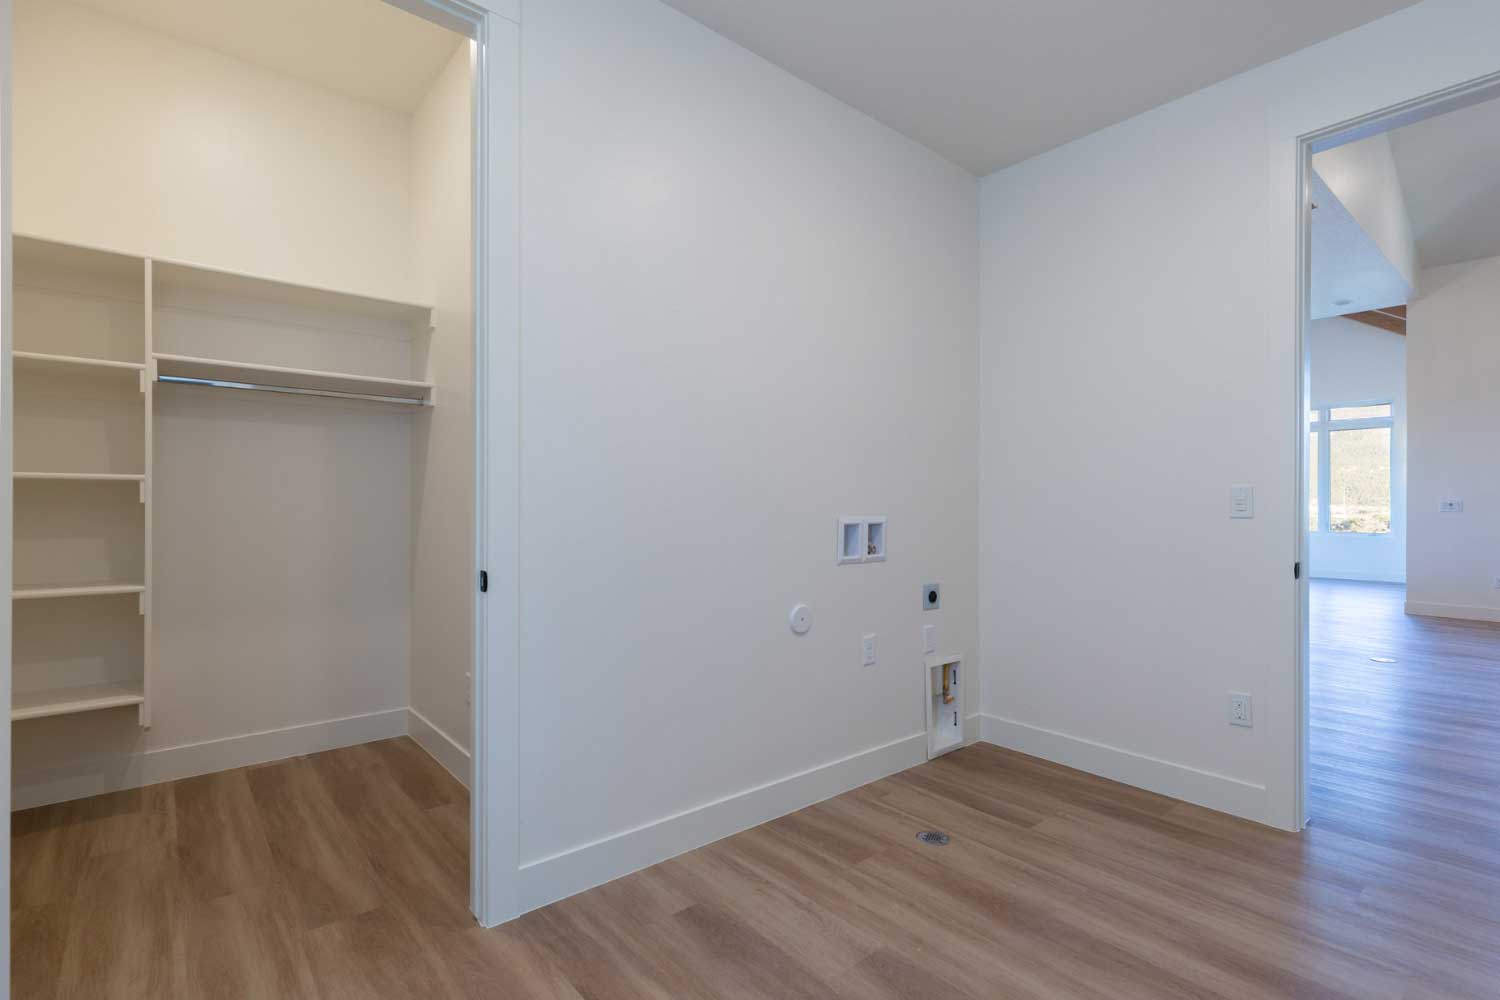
(1403, 514)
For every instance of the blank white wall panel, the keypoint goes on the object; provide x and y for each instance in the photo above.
(134, 141)
(443, 570)
(733, 286)
(1453, 559)
(282, 560)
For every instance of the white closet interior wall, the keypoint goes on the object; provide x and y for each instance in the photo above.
(130, 139)
(443, 436)
(285, 570)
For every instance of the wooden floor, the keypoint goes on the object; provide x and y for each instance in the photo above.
(342, 875)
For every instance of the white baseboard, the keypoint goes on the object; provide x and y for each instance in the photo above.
(440, 746)
(1358, 577)
(1461, 611)
(1203, 788)
(116, 773)
(560, 875)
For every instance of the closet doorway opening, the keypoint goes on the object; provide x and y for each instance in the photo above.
(249, 495)
(1399, 601)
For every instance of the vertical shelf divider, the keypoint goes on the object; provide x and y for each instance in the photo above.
(148, 386)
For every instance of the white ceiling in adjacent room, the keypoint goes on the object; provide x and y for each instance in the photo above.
(1349, 272)
(366, 49)
(1450, 175)
(989, 83)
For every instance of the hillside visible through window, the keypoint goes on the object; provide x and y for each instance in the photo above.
(1349, 469)
(1359, 480)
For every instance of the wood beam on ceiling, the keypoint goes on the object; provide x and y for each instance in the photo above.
(1392, 318)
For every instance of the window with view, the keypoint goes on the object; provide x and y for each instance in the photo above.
(1349, 469)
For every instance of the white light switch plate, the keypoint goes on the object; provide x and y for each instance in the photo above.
(929, 638)
(1242, 500)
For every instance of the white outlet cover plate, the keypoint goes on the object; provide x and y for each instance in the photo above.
(1238, 717)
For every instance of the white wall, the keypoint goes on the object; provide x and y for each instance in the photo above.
(1454, 559)
(1137, 357)
(747, 310)
(1350, 363)
(202, 157)
(1363, 175)
(443, 437)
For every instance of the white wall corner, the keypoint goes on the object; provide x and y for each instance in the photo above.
(439, 746)
(973, 728)
(1203, 788)
(1363, 176)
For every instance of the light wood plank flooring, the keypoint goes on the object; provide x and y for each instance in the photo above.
(342, 875)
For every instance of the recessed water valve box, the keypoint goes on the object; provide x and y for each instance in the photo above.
(861, 540)
(944, 684)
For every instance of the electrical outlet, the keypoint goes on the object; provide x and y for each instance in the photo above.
(1240, 710)
(929, 637)
(932, 597)
(1454, 506)
(869, 649)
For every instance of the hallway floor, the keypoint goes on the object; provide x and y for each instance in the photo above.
(1405, 754)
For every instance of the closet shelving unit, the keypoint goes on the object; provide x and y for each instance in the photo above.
(96, 332)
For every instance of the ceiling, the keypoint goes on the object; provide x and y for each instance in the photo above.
(989, 83)
(1349, 272)
(365, 49)
(1450, 177)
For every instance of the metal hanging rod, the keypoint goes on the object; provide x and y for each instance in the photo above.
(289, 390)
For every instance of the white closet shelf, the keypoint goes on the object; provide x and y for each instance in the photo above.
(71, 701)
(52, 255)
(102, 477)
(33, 360)
(171, 366)
(173, 276)
(32, 593)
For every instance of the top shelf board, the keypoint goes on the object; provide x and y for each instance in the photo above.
(63, 363)
(169, 275)
(33, 253)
